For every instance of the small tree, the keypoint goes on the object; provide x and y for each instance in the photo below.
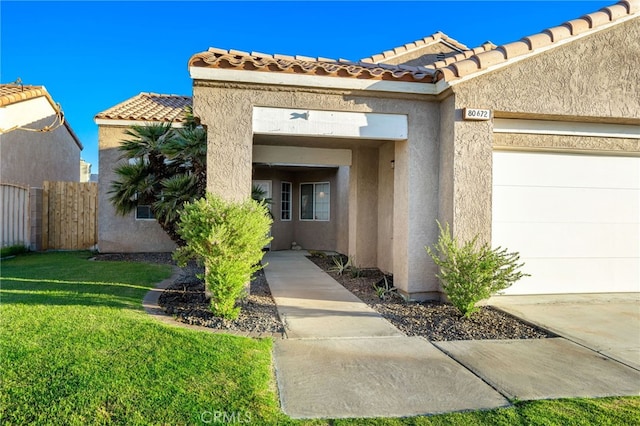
(228, 238)
(469, 273)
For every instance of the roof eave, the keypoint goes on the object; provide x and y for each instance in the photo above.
(41, 92)
(125, 122)
(301, 80)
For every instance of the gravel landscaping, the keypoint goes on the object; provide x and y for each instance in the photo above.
(436, 321)
(186, 301)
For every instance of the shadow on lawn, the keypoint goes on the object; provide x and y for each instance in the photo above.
(67, 293)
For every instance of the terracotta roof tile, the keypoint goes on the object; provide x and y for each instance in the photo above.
(149, 107)
(400, 50)
(234, 59)
(558, 33)
(485, 47)
(618, 10)
(13, 93)
(492, 57)
(464, 63)
(469, 62)
(597, 18)
(536, 41)
(578, 26)
(517, 48)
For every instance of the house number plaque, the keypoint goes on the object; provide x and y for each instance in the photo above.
(476, 114)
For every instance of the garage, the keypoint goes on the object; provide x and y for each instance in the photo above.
(575, 219)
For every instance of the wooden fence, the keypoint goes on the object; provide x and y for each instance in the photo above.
(14, 205)
(69, 215)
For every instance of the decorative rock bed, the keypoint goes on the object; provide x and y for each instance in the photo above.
(186, 301)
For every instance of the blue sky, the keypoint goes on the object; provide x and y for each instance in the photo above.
(92, 55)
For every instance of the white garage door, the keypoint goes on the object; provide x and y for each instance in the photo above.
(575, 219)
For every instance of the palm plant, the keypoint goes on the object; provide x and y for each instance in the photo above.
(260, 195)
(165, 168)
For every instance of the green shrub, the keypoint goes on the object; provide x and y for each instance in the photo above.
(469, 273)
(228, 238)
(385, 291)
(317, 253)
(13, 250)
(341, 264)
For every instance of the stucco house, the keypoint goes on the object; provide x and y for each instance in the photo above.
(30, 155)
(533, 145)
(37, 144)
(138, 231)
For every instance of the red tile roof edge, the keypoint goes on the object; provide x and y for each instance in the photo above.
(116, 112)
(408, 47)
(262, 62)
(463, 65)
(26, 92)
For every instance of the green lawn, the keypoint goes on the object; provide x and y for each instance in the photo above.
(77, 348)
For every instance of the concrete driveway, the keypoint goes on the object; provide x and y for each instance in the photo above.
(606, 323)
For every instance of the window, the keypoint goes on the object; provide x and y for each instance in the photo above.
(314, 201)
(285, 201)
(144, 212)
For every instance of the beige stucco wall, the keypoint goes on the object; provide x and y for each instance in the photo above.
(117, 233)
(592, 79)
(342, 213)
(30, 158)
(363, 206)
(416, 202)
(226, 110)
(595, 76)
(447, 156)
(385, 206)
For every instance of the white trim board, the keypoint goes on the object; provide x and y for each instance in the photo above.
(565, 128)
(331, 124)
(325, 82)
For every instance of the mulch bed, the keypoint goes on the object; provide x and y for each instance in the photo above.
(186, 301)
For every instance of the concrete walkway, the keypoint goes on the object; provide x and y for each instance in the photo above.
(342, 359)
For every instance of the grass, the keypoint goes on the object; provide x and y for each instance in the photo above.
(77, 348)
(616, 411)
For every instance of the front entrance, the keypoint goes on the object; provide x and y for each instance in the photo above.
(305, 206)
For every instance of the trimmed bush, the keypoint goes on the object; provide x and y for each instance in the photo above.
(469, 273)
(228, 238)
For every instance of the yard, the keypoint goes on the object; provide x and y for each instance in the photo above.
(77, 348)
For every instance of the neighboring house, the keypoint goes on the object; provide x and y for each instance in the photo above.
(37, 144)
(137, 231)
(85, 171)
(36, 141)
(533, 145)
